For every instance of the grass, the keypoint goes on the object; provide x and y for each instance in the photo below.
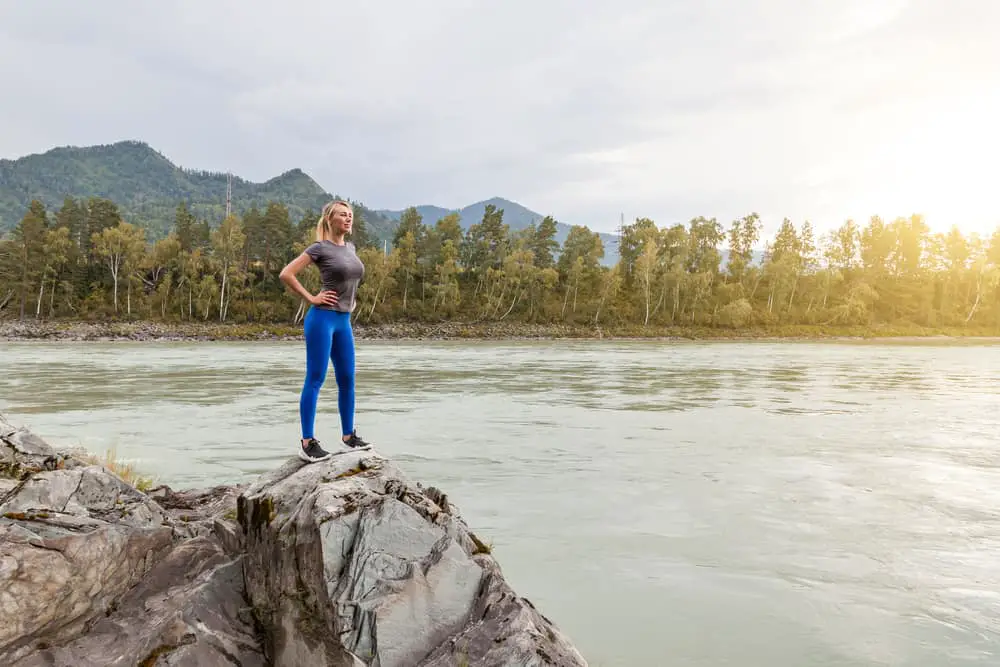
(126, 471)
(481, 547)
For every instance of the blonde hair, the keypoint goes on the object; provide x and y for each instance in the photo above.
(324, 231)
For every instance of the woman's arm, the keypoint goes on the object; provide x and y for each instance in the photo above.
(288, 276)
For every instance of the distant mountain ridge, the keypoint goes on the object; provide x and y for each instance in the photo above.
(147, 187)
(514, 214)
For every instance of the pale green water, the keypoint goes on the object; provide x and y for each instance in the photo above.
(750, 505)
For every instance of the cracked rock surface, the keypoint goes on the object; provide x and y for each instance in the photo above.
(349, 563)
(340, 563)
(94, 572)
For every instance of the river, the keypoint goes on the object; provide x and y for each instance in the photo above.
(698, 504)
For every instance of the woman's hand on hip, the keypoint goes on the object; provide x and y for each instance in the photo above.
(325, 298)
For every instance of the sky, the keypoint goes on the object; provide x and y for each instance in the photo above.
(818, 110)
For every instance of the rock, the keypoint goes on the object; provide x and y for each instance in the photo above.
(349, 563)
(505, 629)
(71, 542)
(94, 572)
(22, 451)
(188, 610)
(340, 563)
(203, 512)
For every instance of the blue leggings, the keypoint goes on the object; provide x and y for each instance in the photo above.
(329, 337)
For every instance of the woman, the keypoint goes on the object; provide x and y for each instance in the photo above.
(327, 325)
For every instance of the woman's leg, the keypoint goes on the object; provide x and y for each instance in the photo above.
(318, 330)
(342, 355)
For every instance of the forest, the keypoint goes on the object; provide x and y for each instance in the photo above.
(83, 261)
(146, 187)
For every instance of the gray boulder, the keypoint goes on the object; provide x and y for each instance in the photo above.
(188, 610)
(349, 563)
(95, 573)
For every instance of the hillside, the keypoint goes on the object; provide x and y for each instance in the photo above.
(514, 214)
(147, 187)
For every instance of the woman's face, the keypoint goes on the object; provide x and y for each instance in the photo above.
(341, 219)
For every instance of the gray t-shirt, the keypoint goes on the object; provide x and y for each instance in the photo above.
(340, 269)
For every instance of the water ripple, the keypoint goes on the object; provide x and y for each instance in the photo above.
(815, 504)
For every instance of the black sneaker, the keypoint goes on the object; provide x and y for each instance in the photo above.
(312, 452)
(355, 442)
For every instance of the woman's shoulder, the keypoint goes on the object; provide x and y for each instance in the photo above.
(314, 249)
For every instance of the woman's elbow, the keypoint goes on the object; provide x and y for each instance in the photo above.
(288, 274)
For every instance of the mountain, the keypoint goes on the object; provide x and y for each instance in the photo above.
(514, 214)
(147, 187)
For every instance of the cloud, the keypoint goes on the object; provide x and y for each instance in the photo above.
(581, 109)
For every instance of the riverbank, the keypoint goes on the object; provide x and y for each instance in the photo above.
(64, 330)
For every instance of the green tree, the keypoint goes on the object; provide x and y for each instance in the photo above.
(406, 242)
(29, 246)
(58, 246)
(579, 266)
(379, 281)
(675, 245)
(227, 249)
(632, 242)
(647, 270)
(486, 243)
(446, 289)
(884, 274)
(119, 248)
(73, 216)
(743, 237)
(102, 214)
(484, 249)
(542, 242)
(185, 227)
(162, 269)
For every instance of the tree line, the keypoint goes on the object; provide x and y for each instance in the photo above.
(85, 262)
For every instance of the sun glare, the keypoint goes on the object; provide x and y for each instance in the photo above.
(941, 165)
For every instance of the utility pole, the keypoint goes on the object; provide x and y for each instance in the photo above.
(229, 194)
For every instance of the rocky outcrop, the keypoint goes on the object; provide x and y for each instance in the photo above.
(95, 573)
(345, 562)
(349, 563)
